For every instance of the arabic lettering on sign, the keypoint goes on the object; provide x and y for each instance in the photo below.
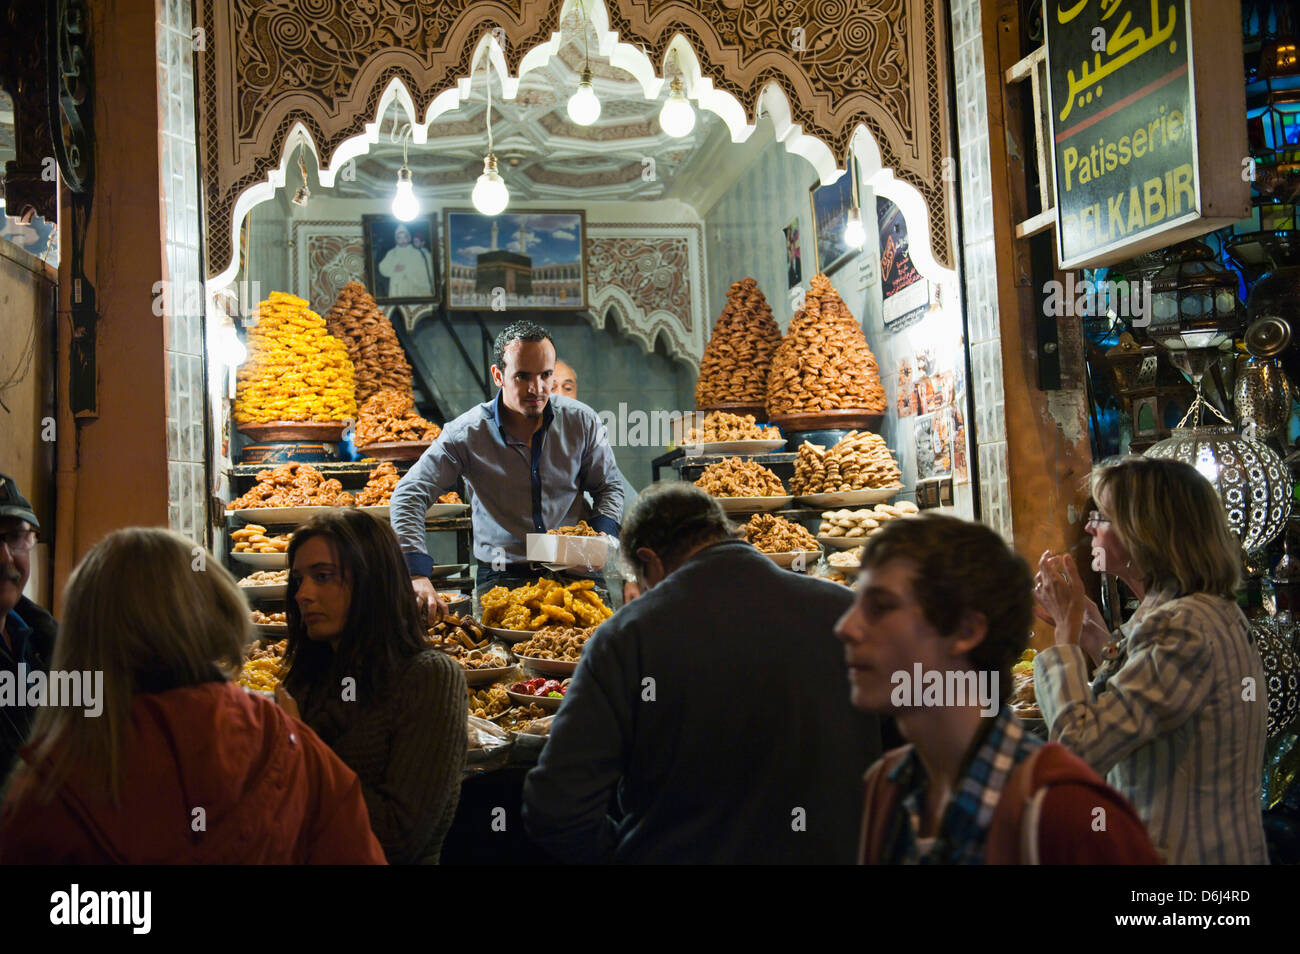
(1123, 45)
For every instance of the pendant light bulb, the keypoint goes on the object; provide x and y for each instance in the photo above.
(677, 117)
(584, 106)
(230, 350)
(302, 195)
(855, 235)
(405, 205)
(490, 193)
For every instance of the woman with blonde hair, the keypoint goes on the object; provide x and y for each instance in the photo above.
(1175, 714)
(167, 760)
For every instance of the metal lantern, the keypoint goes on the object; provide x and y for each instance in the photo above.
(1249, 477)
(1193, 300)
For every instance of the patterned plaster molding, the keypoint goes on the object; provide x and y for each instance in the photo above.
(648, 276)
(323, 72)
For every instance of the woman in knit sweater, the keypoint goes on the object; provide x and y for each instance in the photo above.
(361, 676)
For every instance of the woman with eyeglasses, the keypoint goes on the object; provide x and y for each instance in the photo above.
(1175, 714)
(363, 677)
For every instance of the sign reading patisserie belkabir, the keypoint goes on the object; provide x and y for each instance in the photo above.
(1148, 112)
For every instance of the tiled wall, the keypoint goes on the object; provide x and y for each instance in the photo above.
(980, 265)
(186, 433)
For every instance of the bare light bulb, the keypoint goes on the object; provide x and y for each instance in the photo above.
(405, 205)
(230, 350)
(855, 236)
(490, 193)
(677, 117)
(584, 106)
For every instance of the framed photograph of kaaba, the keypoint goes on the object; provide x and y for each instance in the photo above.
(830, 211)
(403, 259)
(516, 260)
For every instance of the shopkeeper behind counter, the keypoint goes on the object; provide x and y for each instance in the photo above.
(527, 460)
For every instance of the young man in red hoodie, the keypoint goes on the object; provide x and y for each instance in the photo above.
(944, 609)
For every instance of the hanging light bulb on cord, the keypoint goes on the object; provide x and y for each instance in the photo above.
(303, 194)
(855, 234)
(490, 194)
(405, 205)
(677, 117)
(584, 106)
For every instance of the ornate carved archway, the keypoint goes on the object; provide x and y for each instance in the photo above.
(269, 67)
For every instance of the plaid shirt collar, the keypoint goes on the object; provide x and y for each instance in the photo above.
(965, 826)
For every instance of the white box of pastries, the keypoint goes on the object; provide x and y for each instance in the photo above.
(560, 549)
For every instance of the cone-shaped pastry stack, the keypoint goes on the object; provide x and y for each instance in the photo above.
(390, 415)
(739, 354)
(295, 371)
(824, 363)
(372, 343)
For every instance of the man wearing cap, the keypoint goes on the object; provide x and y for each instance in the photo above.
(26, 631)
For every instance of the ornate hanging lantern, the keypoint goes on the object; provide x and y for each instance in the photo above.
(1249, 477)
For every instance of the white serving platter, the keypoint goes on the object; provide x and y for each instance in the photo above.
(270, 591)
(263, 561)
(841, 543)
(733, 448)
(448, 569)
(552, 667)
(546, 703)
(753, 504)
(278, 516)
(436, 511)
(850, 498)
(787, 559)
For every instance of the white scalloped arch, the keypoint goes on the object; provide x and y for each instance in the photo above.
(644, 329)
(772, 100)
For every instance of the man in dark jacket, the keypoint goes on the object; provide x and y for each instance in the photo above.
(26, 631)
(712, 709)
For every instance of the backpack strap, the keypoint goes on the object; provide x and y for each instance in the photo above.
(879, 806)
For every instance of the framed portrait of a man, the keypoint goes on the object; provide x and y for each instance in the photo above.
(403, 259)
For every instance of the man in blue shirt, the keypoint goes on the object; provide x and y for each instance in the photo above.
(527, 460)
(26, 631)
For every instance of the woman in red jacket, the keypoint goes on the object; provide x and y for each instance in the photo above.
(164, 760)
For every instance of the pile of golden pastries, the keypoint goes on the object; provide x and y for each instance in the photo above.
(270, 619)
(735, 477)
(265, 577)
(389, 415)
(451, 497)
(456, 635)
(372, 346)
(544, 603)
(734, 369)
(1024, 698)
(858, 461)
(488, 703)
(292, 485)
(724, 426)
(824, 363)
(583, 529)
(773, 534)
(253, 539)
(521, 717)
(846, 559)
(378, 490)
(562, 643)
(263, 667)
(863, 523)
(295, 370)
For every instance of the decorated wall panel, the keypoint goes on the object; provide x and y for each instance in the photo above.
(272, 64)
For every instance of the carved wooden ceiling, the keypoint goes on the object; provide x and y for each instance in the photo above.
(270, 64)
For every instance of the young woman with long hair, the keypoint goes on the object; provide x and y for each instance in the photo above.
(362, 676)
(179, 764)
